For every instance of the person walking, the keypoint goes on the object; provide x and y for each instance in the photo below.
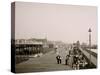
(66, 60)
(58, 59)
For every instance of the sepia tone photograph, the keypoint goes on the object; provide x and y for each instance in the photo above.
(53, 37)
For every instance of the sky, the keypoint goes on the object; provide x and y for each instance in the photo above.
(56, 22)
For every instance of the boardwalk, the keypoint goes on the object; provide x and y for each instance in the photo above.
(46, 62)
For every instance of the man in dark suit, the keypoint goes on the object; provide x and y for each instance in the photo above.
(58, 59)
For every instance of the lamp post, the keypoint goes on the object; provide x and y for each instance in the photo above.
(90, 43)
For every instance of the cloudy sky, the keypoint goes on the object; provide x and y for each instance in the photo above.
(67, 23)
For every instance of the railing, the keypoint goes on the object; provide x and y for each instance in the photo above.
(87, 54)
